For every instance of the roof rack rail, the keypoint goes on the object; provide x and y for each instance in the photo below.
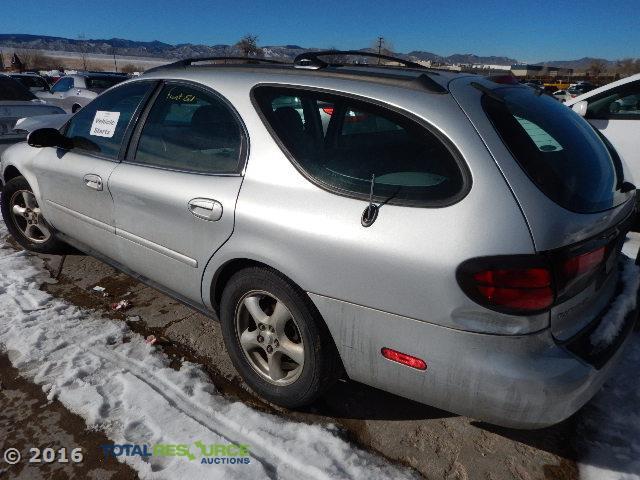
(190, 61)
(311, 60)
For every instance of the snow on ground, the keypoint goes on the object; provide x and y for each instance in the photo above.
(119, 384)
(610, 428)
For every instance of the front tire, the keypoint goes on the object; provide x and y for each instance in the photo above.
(23, 218)
(276, 338)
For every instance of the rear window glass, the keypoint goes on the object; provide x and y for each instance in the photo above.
(102, 83)
(344, 145)
(12, 90)
(557, 149)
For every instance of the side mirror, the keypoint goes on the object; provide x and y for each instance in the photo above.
(49, 137)
(580, 107)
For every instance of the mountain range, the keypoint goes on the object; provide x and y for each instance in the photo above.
(158, 49)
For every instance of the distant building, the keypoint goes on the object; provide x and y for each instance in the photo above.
(525, 70)
(484, 66)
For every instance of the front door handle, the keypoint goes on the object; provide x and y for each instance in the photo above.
(206, 209)
(93, 181)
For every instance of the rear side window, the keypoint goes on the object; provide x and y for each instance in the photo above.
(100, 126)
(191, 130)
(342, 143)
(557, 149)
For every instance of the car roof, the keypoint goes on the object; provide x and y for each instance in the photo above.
(425, 79)
(604, 88)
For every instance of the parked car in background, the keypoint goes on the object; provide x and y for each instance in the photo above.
(580, 88)
(17, 102)
(34, 82)
(450, 238)
(72, 92)
(562, 95)
(614, 109)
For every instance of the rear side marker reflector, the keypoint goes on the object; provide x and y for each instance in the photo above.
(403, 358)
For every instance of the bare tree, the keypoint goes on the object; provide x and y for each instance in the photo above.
(628, 66)
(32, 59)
(82, 48)
(248, 46)
(334, 58)
(596, 68)
(130, 68)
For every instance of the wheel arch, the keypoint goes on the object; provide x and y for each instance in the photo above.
(229, 268)
(10, 172)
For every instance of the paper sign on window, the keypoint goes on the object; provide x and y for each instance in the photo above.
(104, 124)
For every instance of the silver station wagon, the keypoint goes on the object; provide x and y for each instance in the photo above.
(450, 238)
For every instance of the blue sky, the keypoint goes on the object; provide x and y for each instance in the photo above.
(527, 30)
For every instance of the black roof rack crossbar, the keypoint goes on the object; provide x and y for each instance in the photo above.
(190, 61)
(310, 59)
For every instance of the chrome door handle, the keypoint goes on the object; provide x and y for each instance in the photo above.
(206, 209)
(93, 181)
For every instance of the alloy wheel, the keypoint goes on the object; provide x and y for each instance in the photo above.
(270, 337)
(27, 217)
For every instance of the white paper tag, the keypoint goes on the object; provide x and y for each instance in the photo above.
(104, 124)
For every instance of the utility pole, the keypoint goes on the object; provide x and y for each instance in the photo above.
(115, 63)
(380, 42)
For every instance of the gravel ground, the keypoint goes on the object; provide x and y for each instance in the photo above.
(436, 443)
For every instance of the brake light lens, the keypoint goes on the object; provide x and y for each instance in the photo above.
(583, 264)
(328, 110)
(527, 284)
(521, 289)
(404, 359)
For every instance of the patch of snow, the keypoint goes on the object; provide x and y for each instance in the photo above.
(128, 391)
(609, 430)
(621, 305)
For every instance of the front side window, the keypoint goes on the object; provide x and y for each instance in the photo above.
(559, 151)
(345, 145)
(192, 130)
(100, 126)
(621, 103)
(63, 85)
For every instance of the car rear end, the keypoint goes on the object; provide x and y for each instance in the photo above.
(570, 188)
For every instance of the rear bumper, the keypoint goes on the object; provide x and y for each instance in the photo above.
(527, 381)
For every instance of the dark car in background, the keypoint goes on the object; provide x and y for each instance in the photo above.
(34, 82)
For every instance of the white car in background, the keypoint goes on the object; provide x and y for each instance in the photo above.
(614, 110)
(562, 95)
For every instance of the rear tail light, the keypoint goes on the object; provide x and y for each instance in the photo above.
(328, 110)
(528, 284)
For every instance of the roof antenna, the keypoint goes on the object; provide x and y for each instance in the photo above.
(371, 212)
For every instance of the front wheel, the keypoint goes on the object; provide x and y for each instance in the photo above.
(22, 216)
(276, 338)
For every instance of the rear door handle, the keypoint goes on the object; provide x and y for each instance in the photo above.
(206, 209)
(93, 181)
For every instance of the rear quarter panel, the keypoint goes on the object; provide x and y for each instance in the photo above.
(405, 263)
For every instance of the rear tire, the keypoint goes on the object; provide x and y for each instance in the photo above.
(22, 216)
(276, 338)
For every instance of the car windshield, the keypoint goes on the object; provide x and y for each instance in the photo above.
(558, 150)
(103, 82)
(11, 90)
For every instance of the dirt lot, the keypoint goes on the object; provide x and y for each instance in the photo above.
(438, 444)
